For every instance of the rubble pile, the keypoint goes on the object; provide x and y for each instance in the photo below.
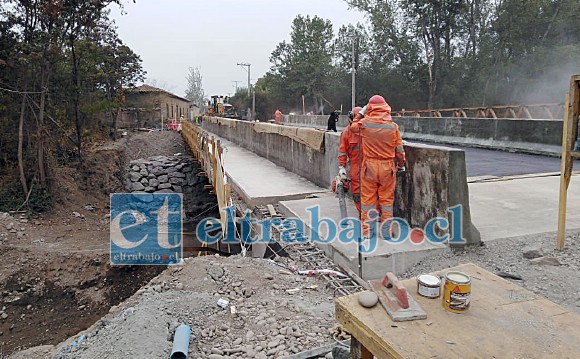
(236, 308)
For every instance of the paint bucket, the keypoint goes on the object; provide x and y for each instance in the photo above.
(456, 292)
(428, 286)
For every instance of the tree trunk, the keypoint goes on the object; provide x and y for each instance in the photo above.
(113, 114)
(40, 129)
(20, 140)
(76, 98)
(429, 60)
(556, 11)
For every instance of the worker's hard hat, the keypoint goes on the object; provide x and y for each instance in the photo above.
(377, 100)
(354, 112)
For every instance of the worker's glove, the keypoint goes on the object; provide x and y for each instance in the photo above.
(342, 173)
(401, 168)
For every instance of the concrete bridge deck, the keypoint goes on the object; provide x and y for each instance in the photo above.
(261, 182)
(502, 205)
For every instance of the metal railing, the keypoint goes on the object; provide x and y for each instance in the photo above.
(552, 111)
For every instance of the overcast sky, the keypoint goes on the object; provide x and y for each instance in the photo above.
(173, 35)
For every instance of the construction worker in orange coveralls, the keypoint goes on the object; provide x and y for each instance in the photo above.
(349, 149)
(382, 154)
(277, 116)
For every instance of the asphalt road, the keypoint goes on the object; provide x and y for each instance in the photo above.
(483, 162)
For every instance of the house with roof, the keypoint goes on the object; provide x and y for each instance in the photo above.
(150, 107)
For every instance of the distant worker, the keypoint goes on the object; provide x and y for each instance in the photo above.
(277, 116)
(382, 155)
(332, 120)
(350, 149)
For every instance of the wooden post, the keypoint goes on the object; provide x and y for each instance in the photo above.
(213, 159)
(564, 179)
(358, 351)
(569, 136)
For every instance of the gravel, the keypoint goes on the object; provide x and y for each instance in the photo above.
(553, 275)
(266, 323)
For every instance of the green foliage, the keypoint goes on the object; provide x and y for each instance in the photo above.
(422, 53)
(194, 91)
(12, 197)
(64, 62)
(305, 63)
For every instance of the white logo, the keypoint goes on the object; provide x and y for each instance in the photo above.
(117, 232)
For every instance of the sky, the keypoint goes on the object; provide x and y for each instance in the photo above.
(171, 36)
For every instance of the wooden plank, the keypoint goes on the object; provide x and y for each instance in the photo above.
(346, 315)
(358, 351)
(569, 136)
(564, 179)
(504, 320)
(272, 210)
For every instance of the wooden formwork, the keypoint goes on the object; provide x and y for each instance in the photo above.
(209, 153)
(569, 138)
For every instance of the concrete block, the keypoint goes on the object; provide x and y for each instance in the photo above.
(385, 257)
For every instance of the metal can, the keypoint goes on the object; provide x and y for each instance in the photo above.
(457, 292)
(428, 286)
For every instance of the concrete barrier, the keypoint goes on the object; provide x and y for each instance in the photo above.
(530, 136)
(436, 179)
(317, 121)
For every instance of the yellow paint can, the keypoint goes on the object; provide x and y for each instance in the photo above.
(457, 292)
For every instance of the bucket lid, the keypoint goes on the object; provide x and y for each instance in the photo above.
(429, 279)
(457, 277)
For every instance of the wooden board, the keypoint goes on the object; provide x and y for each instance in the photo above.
(569, 136)
(504, 321)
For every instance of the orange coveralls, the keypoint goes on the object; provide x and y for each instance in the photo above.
(350, 149)
(381, 146)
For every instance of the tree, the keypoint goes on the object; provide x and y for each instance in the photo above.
(65, 64)
(305, 62)
(194, 91)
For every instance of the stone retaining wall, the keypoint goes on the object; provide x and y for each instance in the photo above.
(161, 174)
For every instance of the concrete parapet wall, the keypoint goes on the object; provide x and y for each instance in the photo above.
(318, 121)
(279, 149)
(435, 181)
(532, 136)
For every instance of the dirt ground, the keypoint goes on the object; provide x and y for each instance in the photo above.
(58, 280)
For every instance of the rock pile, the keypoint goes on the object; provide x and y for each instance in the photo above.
(11, 225)
(161, 174)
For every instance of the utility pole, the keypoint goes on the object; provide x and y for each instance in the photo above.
(354, 40)
(248, 66)
(253, 103)
(249, 87)
(236, 82)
